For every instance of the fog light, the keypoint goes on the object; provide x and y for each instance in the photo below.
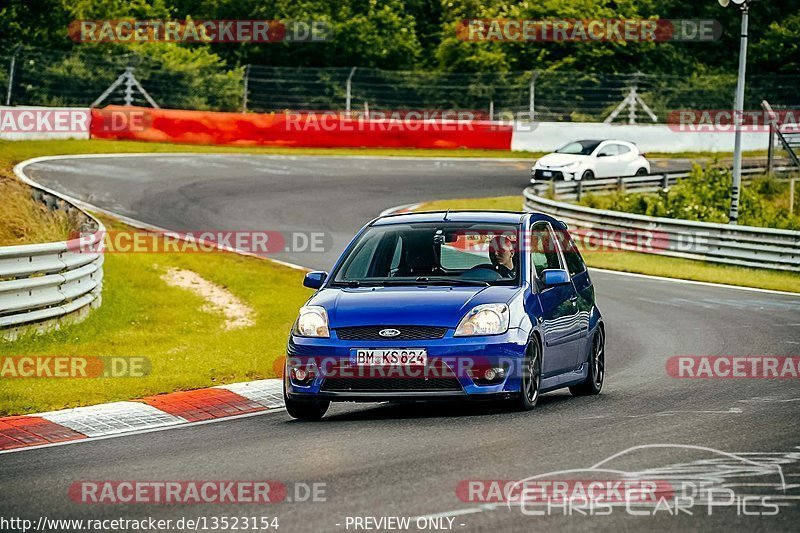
(493, 374)
(300, 374)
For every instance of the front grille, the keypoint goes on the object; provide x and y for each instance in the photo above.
(379, 384)
(557, 175)
(407, 333)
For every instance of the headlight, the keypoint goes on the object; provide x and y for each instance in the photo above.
(312, 322)
(486, 319)
(572, 166)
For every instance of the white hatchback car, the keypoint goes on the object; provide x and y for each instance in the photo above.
(591, 159)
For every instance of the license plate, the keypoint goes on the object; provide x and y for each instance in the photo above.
(390, 357)
(546, 173)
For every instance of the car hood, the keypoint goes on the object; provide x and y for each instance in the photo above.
(397, 306)
(559, 160)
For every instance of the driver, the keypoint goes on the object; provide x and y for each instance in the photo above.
(501, 254)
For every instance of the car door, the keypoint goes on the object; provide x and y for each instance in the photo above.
(607, 161)
(585, 291)
(559, 322)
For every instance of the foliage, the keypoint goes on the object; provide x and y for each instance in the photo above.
(705, 196)
(420, 34)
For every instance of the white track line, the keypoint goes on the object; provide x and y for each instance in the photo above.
(691, 282)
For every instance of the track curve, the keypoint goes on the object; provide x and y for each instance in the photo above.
(386, 460)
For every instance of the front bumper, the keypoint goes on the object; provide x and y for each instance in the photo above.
(451, 372)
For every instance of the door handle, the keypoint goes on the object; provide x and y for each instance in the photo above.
(574, 300)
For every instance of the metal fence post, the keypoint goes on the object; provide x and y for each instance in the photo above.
(245, 88)
(771, 148)
(579, 192)
(11, 70)
(491, 109)
(349, 87)
(664, 181)
(532, 97)
(620, 185)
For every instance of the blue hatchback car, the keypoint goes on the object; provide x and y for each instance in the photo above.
(455, 305)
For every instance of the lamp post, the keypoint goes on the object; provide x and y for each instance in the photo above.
(738, 110)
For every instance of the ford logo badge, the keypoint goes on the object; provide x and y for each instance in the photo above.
(389, 332)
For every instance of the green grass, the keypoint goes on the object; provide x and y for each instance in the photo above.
(143, 316)
(641, 263)
(26, 221)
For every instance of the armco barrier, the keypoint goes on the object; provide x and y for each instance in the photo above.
(300, 130)
(41, 285)
(719, 243)
(571, 190)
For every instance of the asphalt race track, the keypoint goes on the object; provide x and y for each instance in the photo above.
(392, 460)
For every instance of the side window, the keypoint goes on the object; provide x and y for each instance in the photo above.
(572, 256)
(623, 149)
(609, 150)
(544, 250)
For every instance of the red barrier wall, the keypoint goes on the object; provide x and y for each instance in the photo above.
(321, 130)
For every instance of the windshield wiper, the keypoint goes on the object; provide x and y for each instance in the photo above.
(353, 284)
(433, 280)
(452, 281)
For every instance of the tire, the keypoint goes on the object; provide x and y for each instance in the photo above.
(531, 378)
(642, 172)
(306, 410)
(587, 175)
(597, 368)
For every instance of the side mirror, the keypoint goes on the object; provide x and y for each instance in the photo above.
(603, 154)
(554, 276)
(314, 280)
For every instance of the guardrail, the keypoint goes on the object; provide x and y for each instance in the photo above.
(574, 190)
(719, 243)
(43, 284)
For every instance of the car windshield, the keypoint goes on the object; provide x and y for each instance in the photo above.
(441, 253)
(579, 148)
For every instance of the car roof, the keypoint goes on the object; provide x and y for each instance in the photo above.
(499, 217)
(604, 141)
